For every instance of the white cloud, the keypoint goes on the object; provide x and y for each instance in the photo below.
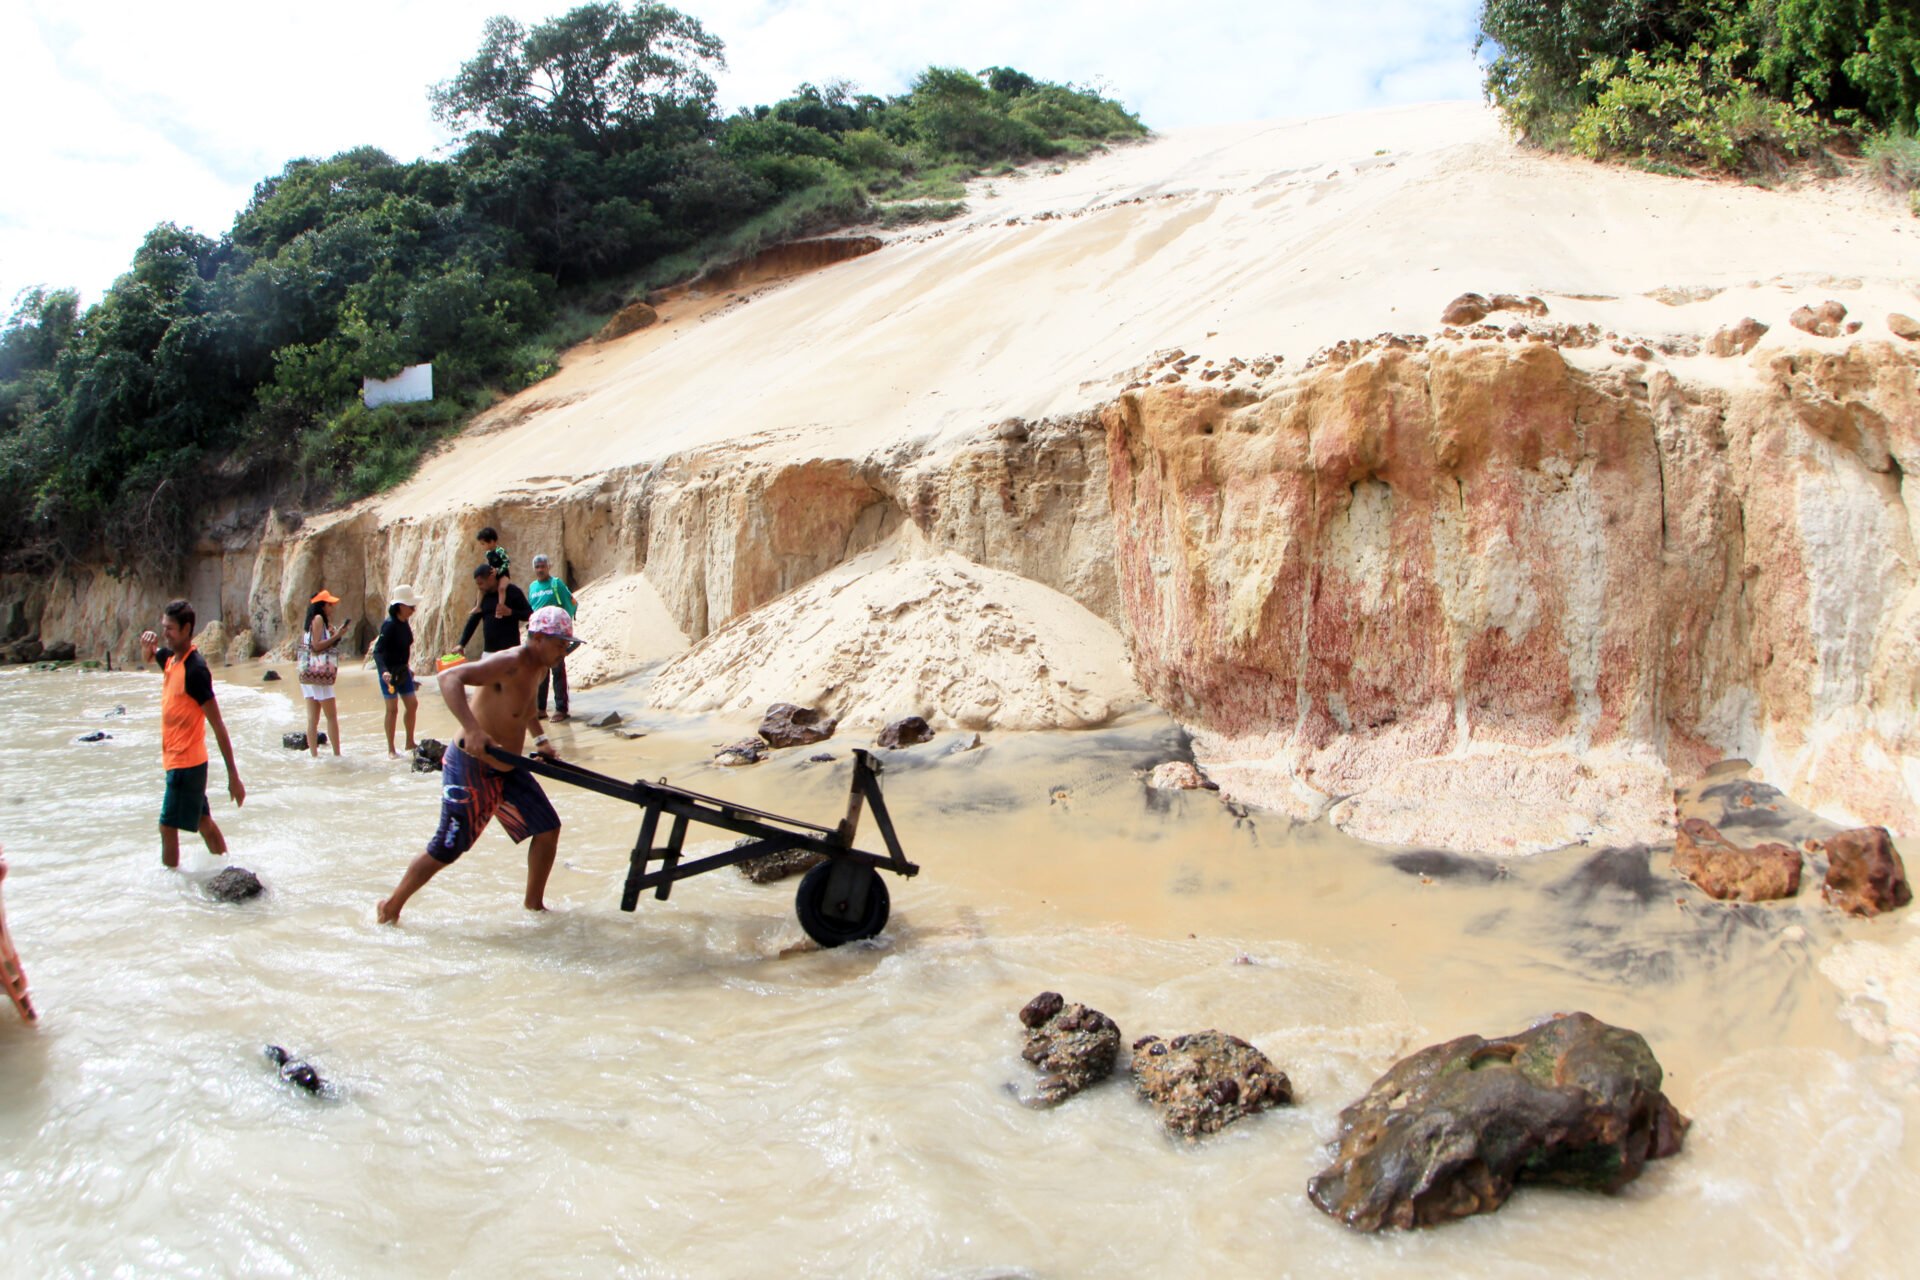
(123, 114)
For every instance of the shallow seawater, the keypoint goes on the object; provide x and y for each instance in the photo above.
(689, 1090)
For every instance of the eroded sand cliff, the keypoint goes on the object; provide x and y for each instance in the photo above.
(1486, 587)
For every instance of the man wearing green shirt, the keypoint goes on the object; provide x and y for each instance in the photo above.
(545, 589)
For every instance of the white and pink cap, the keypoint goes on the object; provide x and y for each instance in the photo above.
(551, 620)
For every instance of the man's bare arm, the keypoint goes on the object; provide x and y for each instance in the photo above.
(235, 788)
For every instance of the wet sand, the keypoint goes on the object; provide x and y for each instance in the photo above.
(690, 1090)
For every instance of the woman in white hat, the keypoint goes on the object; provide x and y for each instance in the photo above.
(393, 660)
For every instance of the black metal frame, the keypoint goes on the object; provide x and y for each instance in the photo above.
(774, 832)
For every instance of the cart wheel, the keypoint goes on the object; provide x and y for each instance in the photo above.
(842, 902)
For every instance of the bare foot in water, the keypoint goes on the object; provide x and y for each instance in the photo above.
(386, 914)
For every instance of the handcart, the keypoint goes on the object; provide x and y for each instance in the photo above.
(841, 900)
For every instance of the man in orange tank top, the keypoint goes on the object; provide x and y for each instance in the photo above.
(186, 708)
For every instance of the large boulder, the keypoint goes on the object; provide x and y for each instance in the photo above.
(786, 725)
(243, 647)
(1724, 870)
(1447, 1132)
(1864, 873)
(908, 732)
(1202, 1082)
(1071, 1045)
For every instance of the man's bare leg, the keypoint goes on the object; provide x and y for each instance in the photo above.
(422, 869)
(540, 852)
(169, 847)
(210, 832)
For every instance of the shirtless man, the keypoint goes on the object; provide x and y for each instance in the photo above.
(474, 785)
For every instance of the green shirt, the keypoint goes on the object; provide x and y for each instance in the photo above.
(552, 591)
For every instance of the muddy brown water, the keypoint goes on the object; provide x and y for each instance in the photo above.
(690, 1091)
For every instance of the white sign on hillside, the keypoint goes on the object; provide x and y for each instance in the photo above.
(409, 386)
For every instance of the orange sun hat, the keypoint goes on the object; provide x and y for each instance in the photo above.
(324, 596)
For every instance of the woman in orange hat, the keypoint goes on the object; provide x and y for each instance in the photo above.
(319, 668)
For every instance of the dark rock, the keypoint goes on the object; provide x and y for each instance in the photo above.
(1447, 1132)
(824, 757)
(605, 720)
(1724, 870)
(745, 751)
(1071, 1046)
(95, 736)
(298, 741)
(769, 867)
(300, 1074)
(1864, 873)
(21, 652)
(629, 319)
(119, 709)
(1468, 308)
(1736, 339)
(786, 725)
(428, 753)
(910, 732)
(268, 676)
(61, 651)
(235, 884)
(1202, 1082)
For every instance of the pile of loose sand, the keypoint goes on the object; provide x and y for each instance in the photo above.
(945, 638)
(626, 627)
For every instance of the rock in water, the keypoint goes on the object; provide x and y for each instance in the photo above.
(96, 736)
(786, 725)
(1724, 870)
(910, 732)
(269, 675)
(1071, 1045)
(235, 884)
(428, 754)
(60, 651)
(1447, 1132)
(605, 720)
(769, 867)
(1864, 873)
(298, 741)
(745, 751)
(1202, 1082)
(294, 1072)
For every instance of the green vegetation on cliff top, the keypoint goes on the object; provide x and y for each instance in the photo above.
(592, 163)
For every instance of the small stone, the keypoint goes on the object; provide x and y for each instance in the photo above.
(1206, 1080)
(745, 751)
(1822, 321)
(96, 736)
(787, 725)
(1904, 326)
(1071, 1045)
(429, 754)
(1179, 775)
(268, 676)
(1865, 875)
(298, 741)
(605, 720)
(1736, 339)
(234, 884)
(119, 709)
(824, 757)
(300, 1074)
(908, 732)
(1468, 308)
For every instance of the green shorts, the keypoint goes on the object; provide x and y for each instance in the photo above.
(186, 799)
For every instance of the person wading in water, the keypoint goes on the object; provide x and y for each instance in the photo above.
(186, 709)
(474, 785)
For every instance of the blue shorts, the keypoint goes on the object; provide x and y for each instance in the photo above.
(398, 684)
(471, 793)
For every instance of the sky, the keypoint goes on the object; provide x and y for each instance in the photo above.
(121, 115)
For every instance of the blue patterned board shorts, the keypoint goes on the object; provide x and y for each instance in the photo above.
(470, 795)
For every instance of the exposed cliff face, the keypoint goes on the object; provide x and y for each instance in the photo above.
(1420, 584)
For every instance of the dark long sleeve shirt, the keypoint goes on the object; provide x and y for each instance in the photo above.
(498, 633)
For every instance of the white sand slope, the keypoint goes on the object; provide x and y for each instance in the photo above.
(1273, 238)
(943, 638)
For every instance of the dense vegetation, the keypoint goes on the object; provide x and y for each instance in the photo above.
(1739, 86)
(592, 163)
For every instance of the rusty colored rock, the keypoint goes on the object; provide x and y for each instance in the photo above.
(1202, 1082)
(1865, 875)
(786, 725)
(1447, 1132)
(1904, 326)
(1512, 302)
(1736, 339)
(908, 732)
(1468, 308)
(1823, 321)
(1071, 1045)
(631, 318)
(1724, 870)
